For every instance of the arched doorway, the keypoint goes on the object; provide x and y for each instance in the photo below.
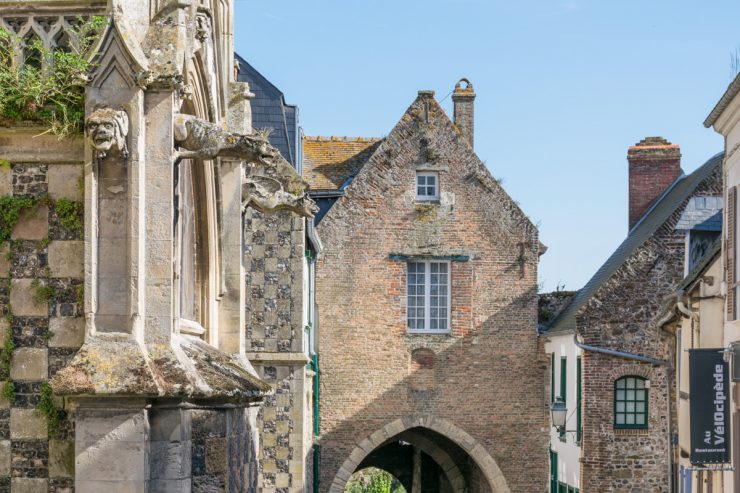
(426, 454)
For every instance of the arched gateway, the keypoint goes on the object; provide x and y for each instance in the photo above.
(411, 431)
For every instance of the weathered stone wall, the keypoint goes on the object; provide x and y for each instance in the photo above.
(485, 377)
(41, 272)
(622, 315)
(224, 450)
(274, 256)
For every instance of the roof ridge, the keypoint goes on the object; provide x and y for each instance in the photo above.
(656, 216)
(334, 138)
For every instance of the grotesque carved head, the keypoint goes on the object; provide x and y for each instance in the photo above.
(107, 130)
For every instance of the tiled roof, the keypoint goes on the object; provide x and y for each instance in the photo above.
(329, 162)
(658, 214)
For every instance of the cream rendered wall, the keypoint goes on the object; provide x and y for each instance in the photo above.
(728, 124)
(707, 301)
(569, 452)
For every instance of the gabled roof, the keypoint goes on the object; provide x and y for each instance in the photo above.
(732, 90)
(653, 219)
(329, 163)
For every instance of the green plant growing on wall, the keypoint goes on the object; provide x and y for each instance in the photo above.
(9, 391)
(42, 292)
(10, 210)
(48, 409)
(70, 215)
(6, 359)
(49, 87)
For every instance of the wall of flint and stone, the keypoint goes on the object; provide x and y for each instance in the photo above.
(621, 315)
(45, 334)
(274, 256)
(486, 377)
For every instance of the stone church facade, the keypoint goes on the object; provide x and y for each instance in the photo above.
(130, 288)
(427, 306)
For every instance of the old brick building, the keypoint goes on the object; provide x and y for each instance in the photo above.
(427, 304)
(628, 417)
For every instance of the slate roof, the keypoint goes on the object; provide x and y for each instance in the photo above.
(702, 214)
(269, 110)
(330, 162)
(658, 214)
(703, 264)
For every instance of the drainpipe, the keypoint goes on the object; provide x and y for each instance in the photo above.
(620, 354)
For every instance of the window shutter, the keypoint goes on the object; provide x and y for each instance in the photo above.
(730, 252)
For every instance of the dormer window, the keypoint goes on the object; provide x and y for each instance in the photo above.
(427, 185)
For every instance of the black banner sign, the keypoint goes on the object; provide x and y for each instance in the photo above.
(710, 406)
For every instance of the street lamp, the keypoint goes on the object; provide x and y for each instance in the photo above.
(558, 411)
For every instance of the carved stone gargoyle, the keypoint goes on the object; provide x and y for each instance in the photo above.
(106, 130)
(285, 190)
(200, 139)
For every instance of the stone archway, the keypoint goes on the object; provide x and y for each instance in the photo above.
(441, 457)
(486, 463)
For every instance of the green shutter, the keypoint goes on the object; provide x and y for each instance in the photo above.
(552, 378)
(563, 390)
(563, 378)
(578, 399)
(553, 470)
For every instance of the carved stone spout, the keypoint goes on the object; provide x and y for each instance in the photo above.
(200, 139)
(267, 195)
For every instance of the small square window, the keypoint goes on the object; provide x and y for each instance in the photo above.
(427, 185)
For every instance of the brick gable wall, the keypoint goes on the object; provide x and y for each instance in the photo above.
(486, 377)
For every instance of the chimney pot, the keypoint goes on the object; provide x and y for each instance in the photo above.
(462, 98)
(654, 164)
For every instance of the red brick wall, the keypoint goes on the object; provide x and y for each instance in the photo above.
(654, 163)
(487, 378)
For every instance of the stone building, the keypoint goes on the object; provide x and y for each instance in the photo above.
(616, 320)
(124, 279)
(427, 307)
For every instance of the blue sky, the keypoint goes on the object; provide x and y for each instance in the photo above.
(564, 87)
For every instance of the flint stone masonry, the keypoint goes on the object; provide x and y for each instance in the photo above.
(275, 248)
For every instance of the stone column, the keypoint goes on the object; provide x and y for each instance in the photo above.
(416, 473)
(231, 313)
(111, 446)
(171, 449)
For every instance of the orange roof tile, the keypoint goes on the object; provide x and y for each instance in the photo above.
(328, 162)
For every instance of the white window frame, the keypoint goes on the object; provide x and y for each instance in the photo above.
(427, 296)
(436, 186)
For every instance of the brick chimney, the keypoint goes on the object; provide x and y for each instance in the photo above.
(462, 99)
(654, 164)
